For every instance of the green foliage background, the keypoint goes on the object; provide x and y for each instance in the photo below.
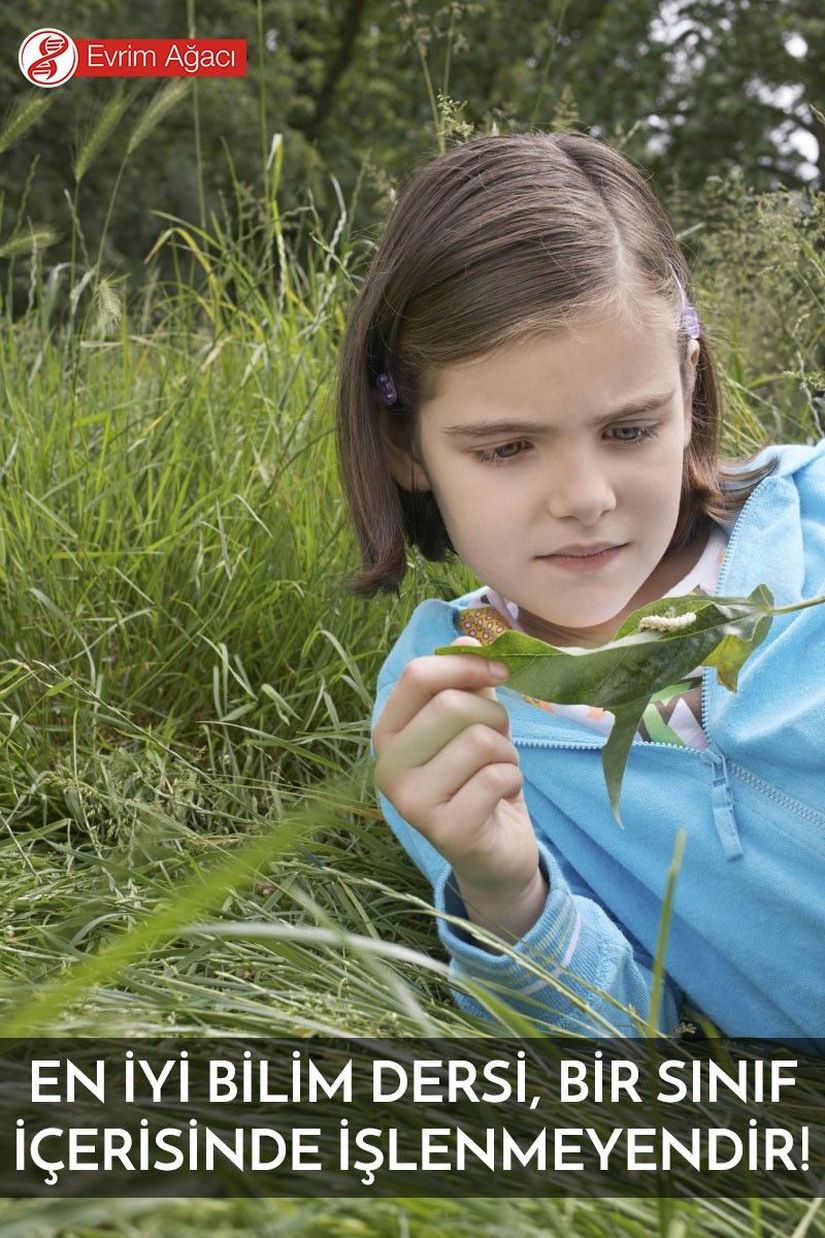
(691, 88)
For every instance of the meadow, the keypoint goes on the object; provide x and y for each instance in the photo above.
(190, 840)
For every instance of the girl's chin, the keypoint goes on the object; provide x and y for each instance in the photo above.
(576, 629)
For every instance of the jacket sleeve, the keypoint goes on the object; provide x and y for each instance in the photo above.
(573, 970)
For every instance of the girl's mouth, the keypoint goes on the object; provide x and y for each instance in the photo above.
(583, 563)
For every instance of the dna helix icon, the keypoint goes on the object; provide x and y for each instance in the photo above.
(52, 46)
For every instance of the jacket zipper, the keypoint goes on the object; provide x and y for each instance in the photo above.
(723, 572)
(815, 816)
(724, 819)
(787, 801)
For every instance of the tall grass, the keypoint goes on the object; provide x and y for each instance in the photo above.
(190, 842)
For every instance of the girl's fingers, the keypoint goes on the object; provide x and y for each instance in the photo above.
(434, 785)
(433, 728)
(480, 795)
(422, 679)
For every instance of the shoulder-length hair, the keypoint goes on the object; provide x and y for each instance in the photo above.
(497, 240)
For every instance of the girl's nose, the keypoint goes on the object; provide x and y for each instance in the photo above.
(577, 488)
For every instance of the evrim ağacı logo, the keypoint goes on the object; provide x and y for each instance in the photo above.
(48, 57)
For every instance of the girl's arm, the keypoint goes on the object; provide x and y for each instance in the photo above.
(572, 970)
(570, 965)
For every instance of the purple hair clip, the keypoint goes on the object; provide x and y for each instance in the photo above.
(387, 388)
(690, 318)
(690, 322)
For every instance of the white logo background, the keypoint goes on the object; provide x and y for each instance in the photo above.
(48, 57)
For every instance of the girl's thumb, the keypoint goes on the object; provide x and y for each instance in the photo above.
(471, 640)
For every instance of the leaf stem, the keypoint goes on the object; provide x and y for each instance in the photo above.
(784, 610)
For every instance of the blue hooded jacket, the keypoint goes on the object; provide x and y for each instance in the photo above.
(746, 943)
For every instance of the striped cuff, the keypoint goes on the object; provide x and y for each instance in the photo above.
(550, 944)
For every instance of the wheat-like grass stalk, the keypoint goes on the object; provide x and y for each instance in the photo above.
(25, 111)
(166, 99)
(39, 237)
(108, 307)
(100, 132)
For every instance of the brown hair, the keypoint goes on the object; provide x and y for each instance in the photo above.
(498, 239)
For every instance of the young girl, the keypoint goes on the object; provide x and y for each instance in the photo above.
(523, 382)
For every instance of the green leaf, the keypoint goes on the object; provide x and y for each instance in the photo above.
(617, 748)
(649, 651)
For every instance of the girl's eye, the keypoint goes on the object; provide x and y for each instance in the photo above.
(503, 454)
(643, 432)
(497, 455)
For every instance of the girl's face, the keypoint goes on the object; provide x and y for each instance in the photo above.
(528, 452)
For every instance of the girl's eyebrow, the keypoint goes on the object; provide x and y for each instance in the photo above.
(478, 429)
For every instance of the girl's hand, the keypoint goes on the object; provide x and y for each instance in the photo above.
(446, 763)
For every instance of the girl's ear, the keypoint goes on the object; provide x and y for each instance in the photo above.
(405, 466)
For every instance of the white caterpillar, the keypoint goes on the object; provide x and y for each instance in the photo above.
(667, 623)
